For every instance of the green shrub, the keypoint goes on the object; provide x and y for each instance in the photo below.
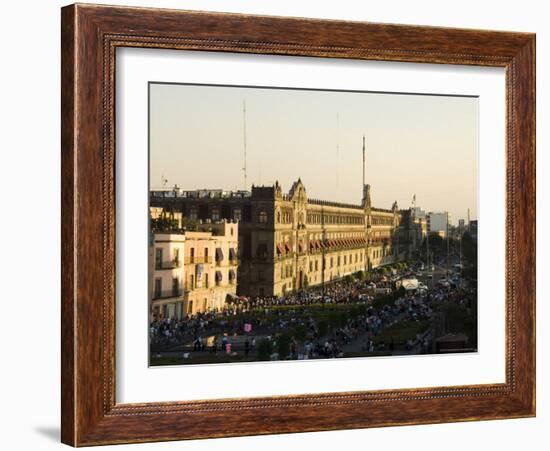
(265, 349)
(300, 333)
(283, 346)
(322, 328)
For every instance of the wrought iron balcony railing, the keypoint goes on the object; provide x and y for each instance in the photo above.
(172, 264)
(164, 294)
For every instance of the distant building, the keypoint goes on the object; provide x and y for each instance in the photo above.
(418, 212)
(472, 228)
(438, 223)
(288, 241)
(193, 271)
(420, 221)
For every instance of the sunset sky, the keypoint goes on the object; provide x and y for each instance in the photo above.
(420, 144)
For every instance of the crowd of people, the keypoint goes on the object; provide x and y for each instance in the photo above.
(224, 331)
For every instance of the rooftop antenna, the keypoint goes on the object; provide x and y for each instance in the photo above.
(363, 161)
(337, 149)
(244, 144)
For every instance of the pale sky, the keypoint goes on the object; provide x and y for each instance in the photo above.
(419, 144)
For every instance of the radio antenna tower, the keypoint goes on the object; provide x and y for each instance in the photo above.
(363, 161)
(244, 144)
(337, 150)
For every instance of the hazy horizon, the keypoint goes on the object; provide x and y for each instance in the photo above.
(415, 144)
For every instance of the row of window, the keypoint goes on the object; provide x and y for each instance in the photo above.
(378, 220)
(159, 258)
(317, 218)
(193, 258)
(285, 216)
(192, 282)
(315, 265)
(331, 262)
(378, 253)
(173, 292)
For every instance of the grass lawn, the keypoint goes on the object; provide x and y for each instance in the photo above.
(402, 331)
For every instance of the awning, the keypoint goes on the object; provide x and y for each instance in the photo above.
(232, 254)
(300, 246)
(280, 249)
(219, 254)
(219, 276)
(231, 274)
(288, 247)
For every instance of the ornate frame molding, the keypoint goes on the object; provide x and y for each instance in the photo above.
(90, 36)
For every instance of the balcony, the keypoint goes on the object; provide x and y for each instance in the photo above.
(172, 264)
(197, 260)
(165, 294)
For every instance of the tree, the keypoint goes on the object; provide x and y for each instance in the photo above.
(322, 328)
(164, 225)
(300, 332)
(283, 346)
(265, 349)
(469, 248)
(333, 319)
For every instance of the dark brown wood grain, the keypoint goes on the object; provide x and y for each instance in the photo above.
(90, 36)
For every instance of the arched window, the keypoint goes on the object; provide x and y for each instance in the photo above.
(237, 214)
(216, 216)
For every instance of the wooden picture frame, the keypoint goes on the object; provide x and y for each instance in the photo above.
(90, 36)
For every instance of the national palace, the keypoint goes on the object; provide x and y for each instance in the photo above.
(287, 241)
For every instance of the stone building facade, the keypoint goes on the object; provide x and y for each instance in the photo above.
(193, 271)
(288, 242)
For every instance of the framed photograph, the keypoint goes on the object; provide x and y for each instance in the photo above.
(301, 224)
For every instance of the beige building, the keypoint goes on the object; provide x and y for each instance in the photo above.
(193, 271)
(166, 273)
(288, 241)
(210, 266)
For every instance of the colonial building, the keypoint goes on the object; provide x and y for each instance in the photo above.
(288, 241)
(166, 275)
(193, 271)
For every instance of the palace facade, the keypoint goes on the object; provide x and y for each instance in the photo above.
(287, 241)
